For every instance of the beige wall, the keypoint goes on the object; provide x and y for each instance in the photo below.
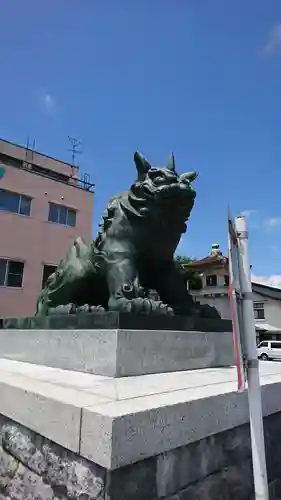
(220, 303)
(35, 240)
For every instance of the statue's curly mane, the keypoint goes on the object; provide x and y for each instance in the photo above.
(106, 222)
(134, 203)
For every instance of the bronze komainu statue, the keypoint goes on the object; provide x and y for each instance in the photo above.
(133, 252)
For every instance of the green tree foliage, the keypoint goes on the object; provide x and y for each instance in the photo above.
(193, 277)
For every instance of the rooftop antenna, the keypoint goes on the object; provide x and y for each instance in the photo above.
(75, 143)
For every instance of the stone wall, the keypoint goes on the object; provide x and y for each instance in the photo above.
(215, 468)
(33, 468)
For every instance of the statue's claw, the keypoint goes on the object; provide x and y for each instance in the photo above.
(133, 298)
(140, 306)
(88, 308)
(73, 309)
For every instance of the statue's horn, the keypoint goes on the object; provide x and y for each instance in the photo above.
(142, 165)
(171, 163)
(189, 177)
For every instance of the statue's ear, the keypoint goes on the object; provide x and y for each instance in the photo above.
(188, 177)
(142, 165)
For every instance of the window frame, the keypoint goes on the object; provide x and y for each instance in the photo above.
(59, 207)
(20, 197)
(226, 280)
(8, 261)
(43, 268)
(20, 204)
(211, 276)
(258, 306)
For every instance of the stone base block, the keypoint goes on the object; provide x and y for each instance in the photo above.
(119, 353)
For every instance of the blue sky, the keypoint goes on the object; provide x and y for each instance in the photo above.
(201, 78)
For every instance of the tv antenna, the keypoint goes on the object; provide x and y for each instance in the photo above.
(75, 143)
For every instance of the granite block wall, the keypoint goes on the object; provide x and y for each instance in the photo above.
(215, 468)
(33, 468)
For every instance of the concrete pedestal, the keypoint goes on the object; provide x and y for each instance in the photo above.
(119, 353)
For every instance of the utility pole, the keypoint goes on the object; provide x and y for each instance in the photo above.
(252, 364)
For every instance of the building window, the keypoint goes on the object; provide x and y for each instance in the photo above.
(11, 273)
(47, 271)
(62, 215)
(15, 203)
(259, 310)
(211, 280)
(226, 280)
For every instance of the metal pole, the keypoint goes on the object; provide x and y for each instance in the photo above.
(254, 392)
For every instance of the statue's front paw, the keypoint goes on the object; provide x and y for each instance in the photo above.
(141, 306)
(148, 306)
(64, 309)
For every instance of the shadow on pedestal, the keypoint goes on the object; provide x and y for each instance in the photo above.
(116, 320)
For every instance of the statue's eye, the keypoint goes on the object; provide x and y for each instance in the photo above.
(160, 179)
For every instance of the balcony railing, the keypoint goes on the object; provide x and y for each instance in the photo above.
(84, 183)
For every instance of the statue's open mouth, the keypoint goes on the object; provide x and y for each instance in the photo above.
(178, 196)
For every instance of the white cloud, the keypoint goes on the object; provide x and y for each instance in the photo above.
(248, 213)
(274, 222)
(274, 280)
(49, 103)
(273, 44)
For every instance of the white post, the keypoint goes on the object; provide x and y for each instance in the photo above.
(254, 392)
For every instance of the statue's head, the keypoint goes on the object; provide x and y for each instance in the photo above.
(169, 192)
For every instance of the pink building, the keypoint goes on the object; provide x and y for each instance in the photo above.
(43, 208)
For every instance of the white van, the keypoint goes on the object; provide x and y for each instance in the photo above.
(269, 349)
